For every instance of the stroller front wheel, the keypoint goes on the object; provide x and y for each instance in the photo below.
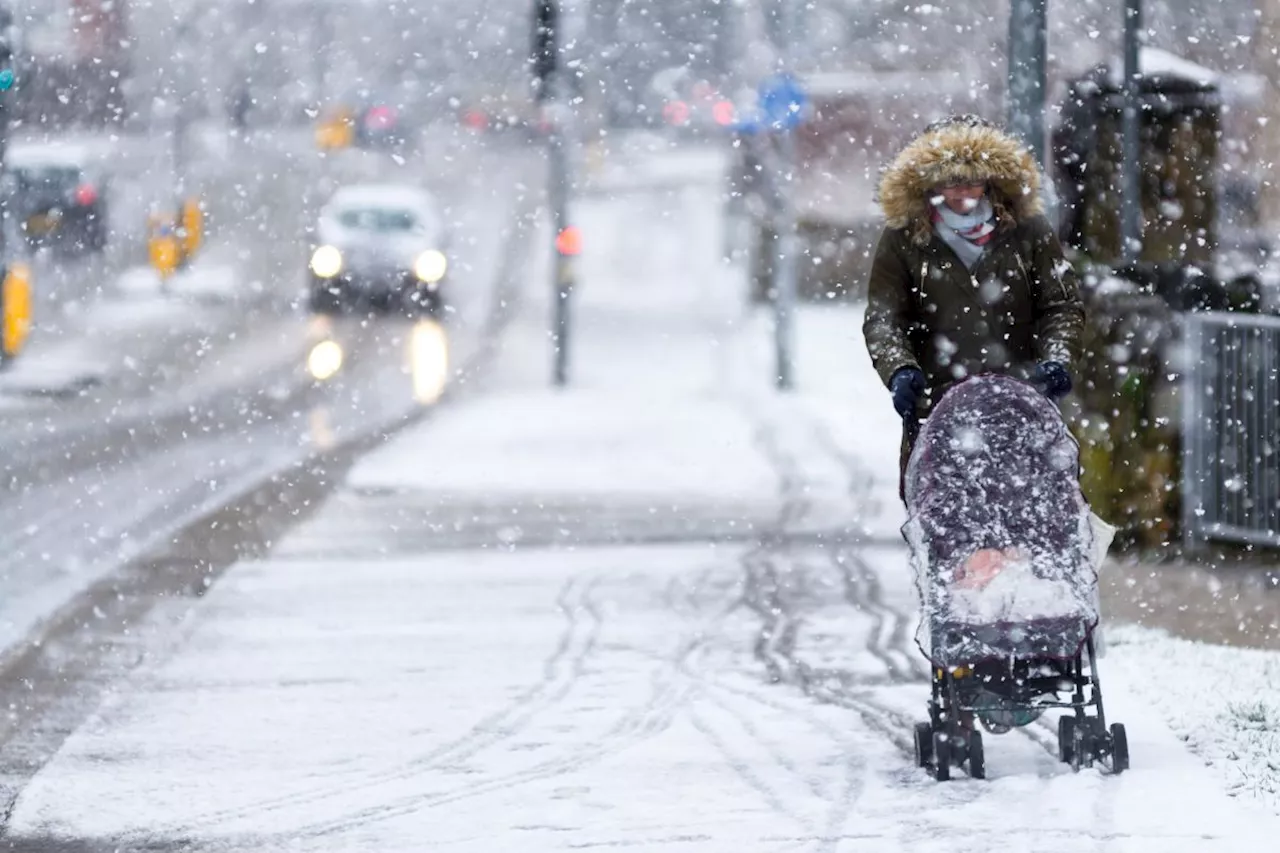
(1081, 747)
(1119, 748)
(924, 744)
(1066, 738)
(977, 756)
(941, 757)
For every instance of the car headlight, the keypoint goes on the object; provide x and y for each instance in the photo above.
(431, 266)
(326, 261)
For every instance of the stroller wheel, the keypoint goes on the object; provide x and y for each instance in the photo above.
(941, 757)
(1119, 748)
(977, 757)
(1081, 747)
(1066, 734)
(924, 744)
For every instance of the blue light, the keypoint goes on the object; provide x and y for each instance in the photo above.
(6, 79)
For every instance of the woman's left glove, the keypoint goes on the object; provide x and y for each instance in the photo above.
(1052, 378)
(907, 386)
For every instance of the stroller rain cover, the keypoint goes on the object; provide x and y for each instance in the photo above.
(1003, 542)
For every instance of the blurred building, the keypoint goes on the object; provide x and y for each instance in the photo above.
(75, 57)
(1267, 137)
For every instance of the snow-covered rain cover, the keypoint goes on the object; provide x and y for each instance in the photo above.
(1004, 546)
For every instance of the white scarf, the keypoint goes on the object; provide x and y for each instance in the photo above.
(966, 233)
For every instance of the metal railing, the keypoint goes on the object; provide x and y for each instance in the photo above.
(1231, 429)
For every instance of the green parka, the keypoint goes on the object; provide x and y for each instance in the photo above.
(1018, 306)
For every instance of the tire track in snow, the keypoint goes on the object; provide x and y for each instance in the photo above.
(887, 641)
(775, 648)
(862, 582)
(743, 769)
(561, 672)
(686, 605)
(672, 687)
(776, 642)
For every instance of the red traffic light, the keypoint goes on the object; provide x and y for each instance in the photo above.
(569, 241)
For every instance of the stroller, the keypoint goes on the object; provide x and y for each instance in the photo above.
(1006, 553)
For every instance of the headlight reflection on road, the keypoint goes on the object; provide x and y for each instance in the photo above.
(322, 434)
(325, 360)
(428, 361)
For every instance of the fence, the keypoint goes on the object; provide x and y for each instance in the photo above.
(1231, 429)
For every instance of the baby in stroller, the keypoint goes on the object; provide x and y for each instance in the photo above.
(1006, 552)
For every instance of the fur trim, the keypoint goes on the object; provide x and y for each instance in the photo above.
(958, 151)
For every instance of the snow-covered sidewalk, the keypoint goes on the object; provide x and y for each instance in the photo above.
(662, 609)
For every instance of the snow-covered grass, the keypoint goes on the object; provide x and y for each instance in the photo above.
(1222, 700)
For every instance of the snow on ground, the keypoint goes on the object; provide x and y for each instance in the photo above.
(643, 446)
(201, 281)
(97, 342)
(61, 368)
(1221, 700)
(405, 672)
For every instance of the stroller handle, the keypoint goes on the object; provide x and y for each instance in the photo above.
(911, 427)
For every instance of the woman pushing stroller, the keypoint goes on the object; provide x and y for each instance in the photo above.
(973, 311)
(968, 276)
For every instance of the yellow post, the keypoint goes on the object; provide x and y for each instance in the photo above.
(336, 129)
(192, 227)
(16, 302)
(163, 248)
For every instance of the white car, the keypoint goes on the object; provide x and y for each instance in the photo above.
(379, 247)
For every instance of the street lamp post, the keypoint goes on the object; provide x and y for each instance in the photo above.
(787, 243)
(1131, 124)
(553, 88)
(1028, 25)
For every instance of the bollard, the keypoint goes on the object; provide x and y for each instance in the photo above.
(15, 304)
(164, 249)
(192, 228)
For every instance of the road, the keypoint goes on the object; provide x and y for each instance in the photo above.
(662, 609)
(198, 397)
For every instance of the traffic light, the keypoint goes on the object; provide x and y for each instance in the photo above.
(545, 55)
(7, 32)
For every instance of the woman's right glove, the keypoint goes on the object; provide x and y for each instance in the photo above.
(907, 385)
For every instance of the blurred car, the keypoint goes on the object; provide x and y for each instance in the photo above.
(499, 111)
(380, 125)
(698, 107)
(362, 121)
(58, 196)
(380, 248)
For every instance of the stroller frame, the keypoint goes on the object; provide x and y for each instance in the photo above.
(950, 739)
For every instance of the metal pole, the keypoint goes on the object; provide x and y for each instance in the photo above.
(786, 243)
(1028, 25)
(7, 103)
(1192, 429)
(322, 51)
(558, 190)
(182, 90)
(1131, 165)
(549, 72)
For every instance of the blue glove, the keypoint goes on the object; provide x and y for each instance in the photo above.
(1053, 380)
(907, 384)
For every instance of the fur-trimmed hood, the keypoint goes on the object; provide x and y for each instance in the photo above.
(959, 149)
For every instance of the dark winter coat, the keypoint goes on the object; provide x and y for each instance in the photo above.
(1020, 304)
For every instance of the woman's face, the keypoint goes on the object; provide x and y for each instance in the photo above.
(962, 198)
